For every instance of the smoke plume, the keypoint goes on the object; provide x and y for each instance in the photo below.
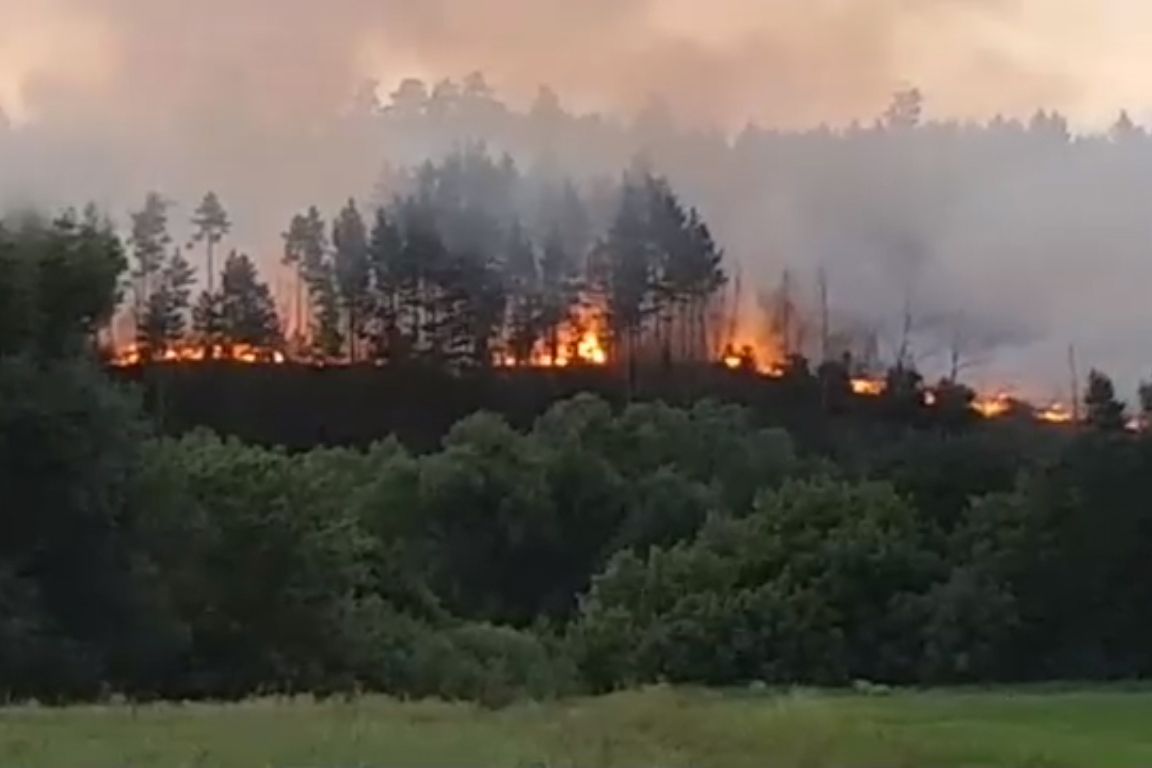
(110, 98)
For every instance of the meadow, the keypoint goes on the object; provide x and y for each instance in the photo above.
(655, 727)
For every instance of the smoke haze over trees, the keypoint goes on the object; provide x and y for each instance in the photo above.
(1008, 239)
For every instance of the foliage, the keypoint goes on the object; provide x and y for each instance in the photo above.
(809, 587)
(602, 544)
(1105, 412)
(58, 283)
(68, 580)
(247, 313)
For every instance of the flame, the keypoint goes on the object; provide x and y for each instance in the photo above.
(589, 350)
(746, 357)
(133, 355)
(579, 342)
(869, 387)
(1055, 413)
(993, 407)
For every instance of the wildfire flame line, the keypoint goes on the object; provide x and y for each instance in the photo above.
(135, 354)
(583, 344)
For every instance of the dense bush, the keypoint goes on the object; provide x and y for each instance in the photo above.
(646, 544)
(814, 585)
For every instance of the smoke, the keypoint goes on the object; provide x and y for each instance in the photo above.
(251, 62)
(115, 97)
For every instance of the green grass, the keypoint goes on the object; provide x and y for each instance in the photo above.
(658, 728)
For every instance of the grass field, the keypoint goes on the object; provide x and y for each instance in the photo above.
(658, 728)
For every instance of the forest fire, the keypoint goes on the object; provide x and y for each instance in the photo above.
(869, 387)
(581, 342)
(1056, 413)
(991, 407)
(744, 357)
(994, 406)
(134, 355)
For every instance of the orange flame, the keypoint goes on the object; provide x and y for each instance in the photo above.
(869, 387)
(993, 407)
(1055, 413)
(580, 342)
(135, 354)
(746, 357)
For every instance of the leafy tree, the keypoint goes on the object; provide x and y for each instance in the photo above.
(59, 283)
(1104, 411)
(210, 224)
(68, 444)
(811, 586)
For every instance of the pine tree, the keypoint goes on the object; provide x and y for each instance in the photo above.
(319, 275)
(626, 273)
(247, 310)
(211, 224)
(385, 246)
(208, 320)
(156, 307)
(295, 246)
(559, 289)
(352, 271)
(522, 277)
(327, 339)
(419, 264)
(165, 320)
(149, 242)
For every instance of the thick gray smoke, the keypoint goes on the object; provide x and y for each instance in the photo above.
(110, 98)
(786, 61)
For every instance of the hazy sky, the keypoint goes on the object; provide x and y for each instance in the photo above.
(785, 61)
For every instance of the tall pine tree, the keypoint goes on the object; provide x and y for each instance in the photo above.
(210, 224)
(352, 271)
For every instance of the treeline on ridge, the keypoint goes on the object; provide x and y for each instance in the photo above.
(447, 274)
(597, 548)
